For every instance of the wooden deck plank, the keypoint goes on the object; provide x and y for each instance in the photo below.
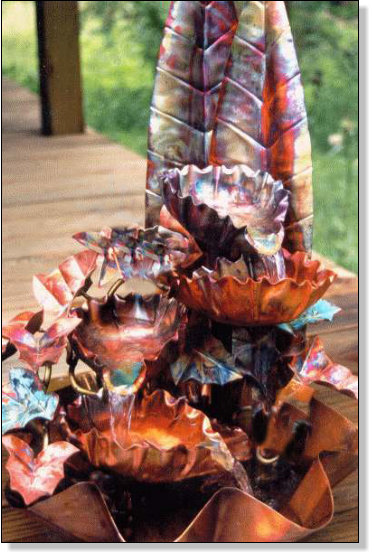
(54, 187)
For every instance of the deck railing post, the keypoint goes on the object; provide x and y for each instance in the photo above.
(59, 67)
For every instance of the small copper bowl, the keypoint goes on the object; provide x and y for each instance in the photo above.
(118, 336)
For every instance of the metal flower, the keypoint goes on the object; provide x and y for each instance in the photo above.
(137, 252)
(314, 366)
(327, 454)
(244, 302)
(120, 335)
(215, 203)
(23, 400)
(36, 477)
(154, 439)
(230, 514)
(46, 348)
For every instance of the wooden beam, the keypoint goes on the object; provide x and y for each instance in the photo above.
(59, 67)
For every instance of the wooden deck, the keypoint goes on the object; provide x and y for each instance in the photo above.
(54, 187)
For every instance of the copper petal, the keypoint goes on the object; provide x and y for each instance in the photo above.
(36, 477)
(157, 439)
(313, 365)
(27, 320)
(229, 300)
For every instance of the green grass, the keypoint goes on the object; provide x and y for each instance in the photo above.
(117, 91)
(335, 210)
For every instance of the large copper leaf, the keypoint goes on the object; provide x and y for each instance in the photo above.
(261, 119)
(193, 56)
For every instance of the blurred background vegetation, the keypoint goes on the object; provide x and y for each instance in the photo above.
(119, 45)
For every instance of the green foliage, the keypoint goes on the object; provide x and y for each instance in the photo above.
(119, 45)
(142, 22)
(335, 209)
(19, 60)
(327, 48)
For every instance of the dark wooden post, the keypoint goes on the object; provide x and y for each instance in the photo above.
(59, 67)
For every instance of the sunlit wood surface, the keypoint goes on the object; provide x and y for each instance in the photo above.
(56, 186)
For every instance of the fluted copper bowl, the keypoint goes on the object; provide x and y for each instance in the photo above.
(219, 205)
(156, 438)
(227, 295)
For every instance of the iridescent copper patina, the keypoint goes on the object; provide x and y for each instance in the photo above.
(138, 252)
(315, 366)
(228, 90)
(230, 211)
(198, 420)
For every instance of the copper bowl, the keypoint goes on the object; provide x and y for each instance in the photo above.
(156, 438)
(242, 301)
(119, 336)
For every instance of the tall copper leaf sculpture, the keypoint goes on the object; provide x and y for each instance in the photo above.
(196, 420)
(260, 119)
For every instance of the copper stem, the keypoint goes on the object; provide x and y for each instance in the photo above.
(113, 289)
